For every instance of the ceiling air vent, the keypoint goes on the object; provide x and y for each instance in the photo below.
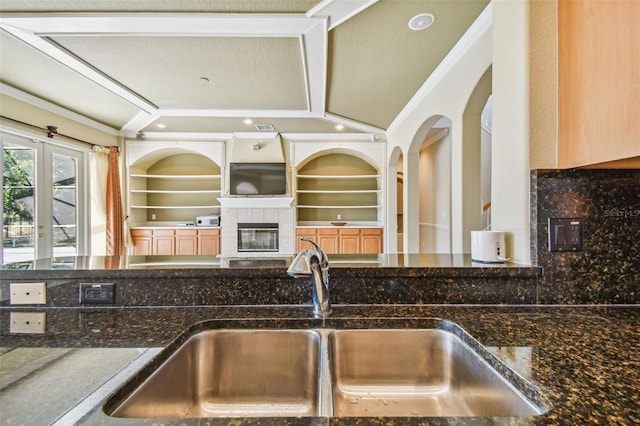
(265, 127)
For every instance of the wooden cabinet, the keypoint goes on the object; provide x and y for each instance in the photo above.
(209, 241)
(164, 242)
(180, 241)
(142, 241)
(598, 90)
(371, 241)
(349, 241)
(328, 240)
(186, 241)
(305, 232)
(343, 240)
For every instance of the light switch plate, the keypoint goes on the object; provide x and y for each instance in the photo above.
(566, 234)
(27, 322)
(28, 293)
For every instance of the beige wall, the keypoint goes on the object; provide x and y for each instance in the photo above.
(28, 113)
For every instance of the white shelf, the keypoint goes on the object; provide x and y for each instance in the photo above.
(337, 207)
(137, 175)
(338, 191)
(169, 191)
(338, 176)
(212, 206)
(354, 188)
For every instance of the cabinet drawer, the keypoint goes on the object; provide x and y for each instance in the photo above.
(371, 231)
(328, 231)
(141, 232)
(208, 232)
(186, 232)
(350, 231)
(163, 232)
(306, 232)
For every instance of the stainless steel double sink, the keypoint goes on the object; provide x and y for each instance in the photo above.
(326, 373)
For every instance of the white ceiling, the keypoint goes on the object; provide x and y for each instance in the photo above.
(205, 66)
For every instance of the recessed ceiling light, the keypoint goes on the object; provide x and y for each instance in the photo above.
(161, 126)
(247, 121)
(339, 127)
(421, 21)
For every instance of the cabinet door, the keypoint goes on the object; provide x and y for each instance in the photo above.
(598, 82)
(208, 241)
(142, 246)
(371, 241)
(164, 246)
(142, 241)
(349, 241)
(186, 241)
(305, 232)
(328, 240)
(163, 242)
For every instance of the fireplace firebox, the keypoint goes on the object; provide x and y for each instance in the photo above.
(258, 237)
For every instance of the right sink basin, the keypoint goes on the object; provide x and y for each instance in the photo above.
(417, 372)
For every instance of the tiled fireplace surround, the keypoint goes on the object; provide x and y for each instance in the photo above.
(257, 211)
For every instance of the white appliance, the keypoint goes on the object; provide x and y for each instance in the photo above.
(488, 247)
(211, 220)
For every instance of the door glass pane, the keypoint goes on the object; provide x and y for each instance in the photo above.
(64, 196)
(18, 202)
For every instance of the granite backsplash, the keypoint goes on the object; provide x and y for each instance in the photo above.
(607, 269)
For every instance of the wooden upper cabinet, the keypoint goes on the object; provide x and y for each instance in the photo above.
(598, 83)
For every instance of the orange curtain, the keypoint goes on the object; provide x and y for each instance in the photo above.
(115, 216)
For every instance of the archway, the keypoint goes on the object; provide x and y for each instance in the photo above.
(427, 224)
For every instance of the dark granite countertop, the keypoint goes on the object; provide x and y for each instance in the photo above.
(585, 360)
(376, 279)
(198, 266)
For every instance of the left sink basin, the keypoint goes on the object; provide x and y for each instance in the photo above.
(266, 373)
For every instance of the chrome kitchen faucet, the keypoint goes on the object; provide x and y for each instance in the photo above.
(314, 263)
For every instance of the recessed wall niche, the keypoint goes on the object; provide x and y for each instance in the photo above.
(336, 186)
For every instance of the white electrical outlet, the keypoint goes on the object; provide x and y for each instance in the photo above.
(27, 322)
(28, 293)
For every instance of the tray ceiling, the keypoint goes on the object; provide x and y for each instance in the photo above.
(206, 66)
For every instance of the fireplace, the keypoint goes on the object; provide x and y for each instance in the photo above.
(258, 237)
(274, 235)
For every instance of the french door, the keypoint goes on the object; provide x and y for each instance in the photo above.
(43, 212)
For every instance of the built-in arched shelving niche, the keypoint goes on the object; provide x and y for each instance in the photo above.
(172, 185)
(338, 187)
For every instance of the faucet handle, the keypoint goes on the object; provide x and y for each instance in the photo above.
(324, 260)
